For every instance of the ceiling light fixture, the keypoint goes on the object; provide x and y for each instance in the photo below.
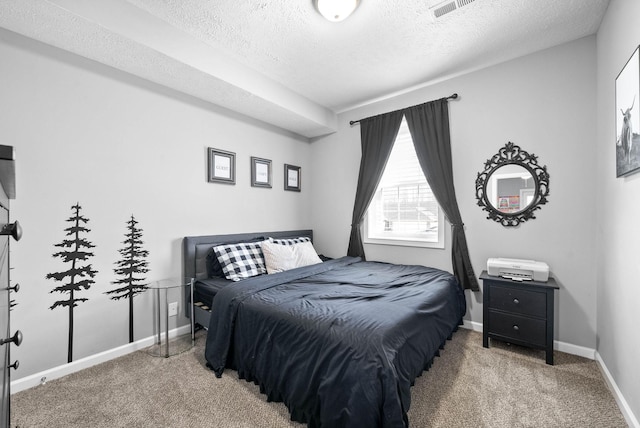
(336, 10)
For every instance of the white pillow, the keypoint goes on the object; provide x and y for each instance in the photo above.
(305, 254)
(279, 258)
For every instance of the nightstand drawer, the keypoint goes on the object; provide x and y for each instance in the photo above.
(518, 327)
(518, 301)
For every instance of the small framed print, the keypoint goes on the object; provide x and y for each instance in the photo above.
(628, 117)
(222, 166)
(292, 178)
(260, 172)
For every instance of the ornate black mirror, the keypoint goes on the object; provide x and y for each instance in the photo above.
(512, 186)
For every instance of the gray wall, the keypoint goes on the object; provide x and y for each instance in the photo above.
(618, 208)
(119, 146)
(543, 102)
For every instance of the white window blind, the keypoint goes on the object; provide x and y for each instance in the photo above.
(404, 210)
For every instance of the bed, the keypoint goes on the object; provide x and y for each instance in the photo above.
(196, 254)
(339, 342)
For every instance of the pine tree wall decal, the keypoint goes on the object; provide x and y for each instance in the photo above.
(78, 277)
(130, 268)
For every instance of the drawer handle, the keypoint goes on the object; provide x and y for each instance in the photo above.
(516, 301)
(16, 339)
(516, 328)
(13, 229)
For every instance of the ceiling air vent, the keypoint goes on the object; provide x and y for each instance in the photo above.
(445, 7)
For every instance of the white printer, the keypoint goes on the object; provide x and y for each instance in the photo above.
(518, 270)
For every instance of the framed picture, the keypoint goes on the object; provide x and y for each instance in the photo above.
(222, 166)
(292, 178)
(260, 172)
(628, 117)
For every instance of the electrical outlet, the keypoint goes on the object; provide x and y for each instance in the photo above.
(173, 309)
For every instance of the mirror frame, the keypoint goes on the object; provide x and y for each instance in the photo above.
(511, 154)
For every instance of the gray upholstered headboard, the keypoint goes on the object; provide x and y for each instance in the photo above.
(196, 248)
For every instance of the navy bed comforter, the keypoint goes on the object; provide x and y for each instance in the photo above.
(341, 342)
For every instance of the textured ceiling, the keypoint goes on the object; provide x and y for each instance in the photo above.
(280, 62)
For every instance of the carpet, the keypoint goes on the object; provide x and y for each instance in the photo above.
(467, 386)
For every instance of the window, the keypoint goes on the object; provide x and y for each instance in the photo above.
(403, 210)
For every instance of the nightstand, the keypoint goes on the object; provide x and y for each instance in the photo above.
(519, 312)
(179, 344)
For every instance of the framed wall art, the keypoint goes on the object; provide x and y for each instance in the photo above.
(222, 166)
(292, 178)
(260, 172)
(628, 117)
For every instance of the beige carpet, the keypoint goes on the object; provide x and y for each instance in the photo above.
(468, 386)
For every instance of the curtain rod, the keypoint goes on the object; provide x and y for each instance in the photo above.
(450, 97)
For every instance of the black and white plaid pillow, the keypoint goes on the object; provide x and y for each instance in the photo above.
(291, 241)
(240, 261)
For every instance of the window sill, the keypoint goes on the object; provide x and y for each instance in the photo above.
(405, 243)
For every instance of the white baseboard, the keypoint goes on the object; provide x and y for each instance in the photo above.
(472, 325)
(86, 362)
(569, 348)
(617, 394)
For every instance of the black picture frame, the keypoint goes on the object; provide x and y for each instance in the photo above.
(221, 166)
(260, 172)
(292, 178)
(628, 117)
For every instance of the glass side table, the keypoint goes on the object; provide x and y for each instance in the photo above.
(166, 291)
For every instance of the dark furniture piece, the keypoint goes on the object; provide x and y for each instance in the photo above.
(519, 312)
(194, 252)
(7, 230)
(339, 342)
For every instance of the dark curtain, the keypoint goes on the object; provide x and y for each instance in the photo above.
(429, 127)
(377, 135)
